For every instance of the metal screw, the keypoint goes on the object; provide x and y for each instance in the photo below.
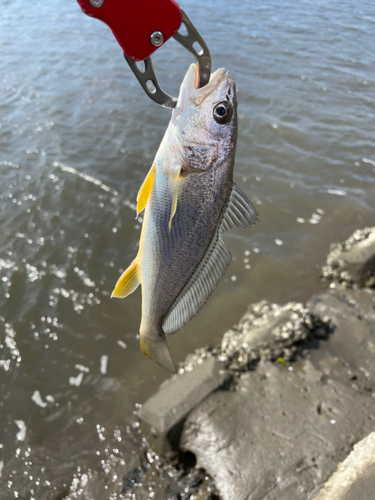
(157, 38)
(96, 3)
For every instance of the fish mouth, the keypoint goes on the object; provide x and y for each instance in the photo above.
(216, 79)
(191, 94)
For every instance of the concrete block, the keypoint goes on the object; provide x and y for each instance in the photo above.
(162, 415)
(354, 478)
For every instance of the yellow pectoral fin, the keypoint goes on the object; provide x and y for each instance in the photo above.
(174, 177)
(128, 281)
(145, 190)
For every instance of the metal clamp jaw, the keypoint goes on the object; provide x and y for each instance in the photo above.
(194, 43)
(141, 27)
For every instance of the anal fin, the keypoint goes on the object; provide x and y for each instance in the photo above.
(145, 190)
(128, 281)
(200, 286)
(239, 212)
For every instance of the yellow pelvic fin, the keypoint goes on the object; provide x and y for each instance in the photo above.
(145, 190)
(128, 281)
(174, 177)
(157, 350)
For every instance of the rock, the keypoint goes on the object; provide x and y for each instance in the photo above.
(353, 261)
(269, 331)
(197, 487)
(280, 434)
(353, 314)
(354, 478)
(162, 413)
(282, 431)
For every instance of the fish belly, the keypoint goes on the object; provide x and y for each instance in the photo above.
(169, 258)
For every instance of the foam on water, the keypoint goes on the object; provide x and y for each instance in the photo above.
(37, 398)
(87, 178)
(20, 436)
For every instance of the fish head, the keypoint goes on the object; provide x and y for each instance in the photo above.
(204, 122)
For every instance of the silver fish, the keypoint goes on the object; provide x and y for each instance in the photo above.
(189, 200)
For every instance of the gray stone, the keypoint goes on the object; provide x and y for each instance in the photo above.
(354, 478)
(353, 261)
(175, 399)
(262, 335)
(360, 260)
(269, 331)
(353, 314)
(281, 430)
(280, 434)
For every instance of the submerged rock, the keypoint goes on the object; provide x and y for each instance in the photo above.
(352, 263)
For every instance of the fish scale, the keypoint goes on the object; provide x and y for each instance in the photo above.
(182, 248)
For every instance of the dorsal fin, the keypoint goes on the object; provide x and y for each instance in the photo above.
(238, 212)
(145, 190)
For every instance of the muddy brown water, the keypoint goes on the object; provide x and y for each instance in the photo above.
(77, 137)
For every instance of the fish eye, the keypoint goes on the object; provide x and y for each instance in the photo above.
(223, 112)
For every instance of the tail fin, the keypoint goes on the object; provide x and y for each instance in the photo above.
(155, 347)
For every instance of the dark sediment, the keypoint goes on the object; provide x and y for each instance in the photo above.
(273, 410)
